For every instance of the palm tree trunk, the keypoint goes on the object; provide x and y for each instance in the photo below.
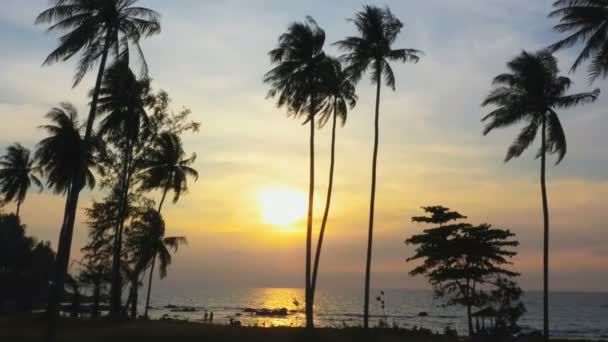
(468, 301)
(134, 290)
(315, 269)
(96, 296)
(368, 263)
(162, 199)
(18, 208)
(311, 190)
(116, 289)
(65, 236)
(543, 187)
(149, 287)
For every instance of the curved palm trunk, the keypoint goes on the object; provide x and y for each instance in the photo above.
(160, 206)
(311, 190)
(18, 208)
(368, 263)
(116, 289)
(315, 269)
(162, 199)
(65, 236)
(149, 287)
(543, 187)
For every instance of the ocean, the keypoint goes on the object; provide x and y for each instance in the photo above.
(572, 314)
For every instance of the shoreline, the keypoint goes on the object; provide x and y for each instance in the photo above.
(27, 327)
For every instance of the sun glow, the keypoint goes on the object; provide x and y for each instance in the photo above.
(282, 207)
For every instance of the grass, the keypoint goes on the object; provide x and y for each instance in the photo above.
(24, 328)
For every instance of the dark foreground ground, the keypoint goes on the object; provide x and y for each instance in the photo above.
(29, 328)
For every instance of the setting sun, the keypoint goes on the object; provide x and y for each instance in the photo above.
(281, 207)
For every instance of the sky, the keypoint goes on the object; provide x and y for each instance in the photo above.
(211, 57)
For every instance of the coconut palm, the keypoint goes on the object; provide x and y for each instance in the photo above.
(585, 22)
(122, 100)
(148, 241)
(95, 29)
(166, 167)
(300, 65)
(532, 91)
(56, 153)
(373, 50)
(17, 173)
(339, 97)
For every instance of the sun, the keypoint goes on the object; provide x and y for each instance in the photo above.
(282, 207)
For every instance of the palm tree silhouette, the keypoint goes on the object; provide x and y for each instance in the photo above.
(95, 29)
(301, 66)
(584, 21)
(57, 154)
(148, 238)
(533, 91)
(167, 168)
(339, 96)
(373, 49)
(123, 99)
(17, 173)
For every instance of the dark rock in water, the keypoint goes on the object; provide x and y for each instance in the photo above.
(184, 309)
(170, 306)
(282, 312)
(422, 314)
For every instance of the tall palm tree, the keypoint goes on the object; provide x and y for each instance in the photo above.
(17, 173)
(532, 91)
(148, 241)
(95, 29)
(586, 22)
(373, 50)
(63, 153)
(166, 167)
(339, 96)
(300, 65)
(123, 100)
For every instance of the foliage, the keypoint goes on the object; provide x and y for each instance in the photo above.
(94, 27)
(438, 215)
(17, 173)
(584, 22)
(505, 299)
(63, 151)
(532, 92)
(166, 166)
(373, 49)
(458, 258)
(25, 266)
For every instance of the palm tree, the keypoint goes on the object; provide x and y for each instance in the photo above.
(166, 167)
(533, 91)
(295, 82)
(373, 49)
(585, 21)
(339, 93)
(95, 29)
(147, 238)
(56, 153)
(123, 99)
(63, 153)
(17, 173)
